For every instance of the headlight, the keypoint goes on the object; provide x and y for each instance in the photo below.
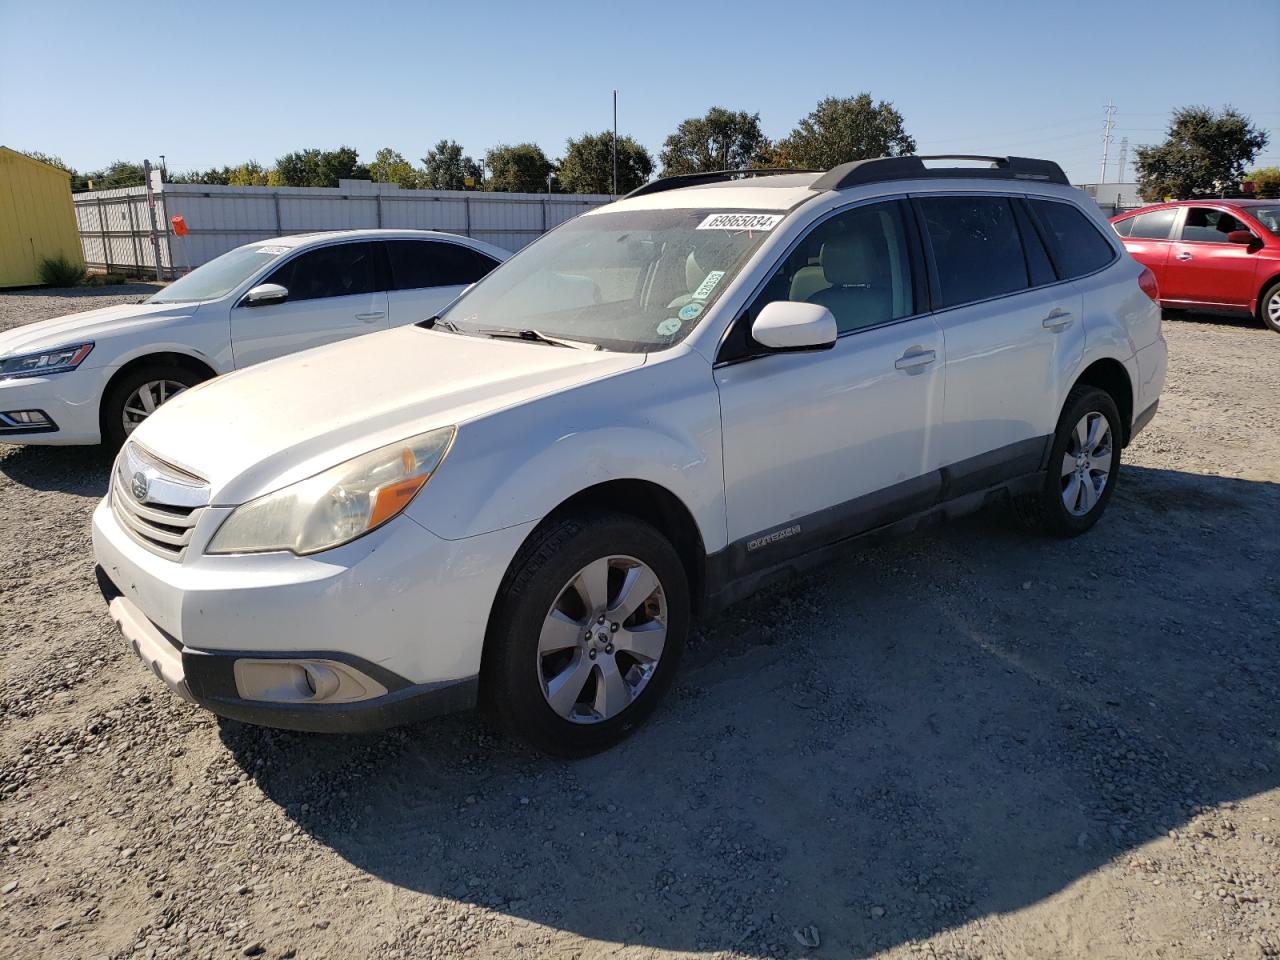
(39, 364)
(335, 507)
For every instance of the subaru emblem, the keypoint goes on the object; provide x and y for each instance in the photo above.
(140, 486)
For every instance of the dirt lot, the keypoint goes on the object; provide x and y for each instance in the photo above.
(968, 744)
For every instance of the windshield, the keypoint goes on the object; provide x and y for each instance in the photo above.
(633, 281)
(220, 276)
(1269, 217)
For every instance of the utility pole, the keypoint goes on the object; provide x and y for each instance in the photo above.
(1124, 158)
(615, 145)
(151, 211)
(1107, 126)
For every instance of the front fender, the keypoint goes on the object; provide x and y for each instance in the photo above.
(659, 422)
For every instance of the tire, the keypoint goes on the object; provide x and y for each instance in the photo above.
(1047, 511)
(114, 404)
(1269, 307)
(537, 651)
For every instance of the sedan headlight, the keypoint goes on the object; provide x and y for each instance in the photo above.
(40, 364)
(338, 505)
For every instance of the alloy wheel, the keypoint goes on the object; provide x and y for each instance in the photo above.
(602, 639)
(1086, 466)
(143, 401)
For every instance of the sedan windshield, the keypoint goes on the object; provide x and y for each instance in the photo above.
(632, 281)
(1268, 216)
(220, 276)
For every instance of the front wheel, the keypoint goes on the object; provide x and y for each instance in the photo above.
(1084, 463)
(1269, 307)
(136, 396)
(587, 635)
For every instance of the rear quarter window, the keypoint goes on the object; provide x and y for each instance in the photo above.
(1079, 246)
(1155, 225)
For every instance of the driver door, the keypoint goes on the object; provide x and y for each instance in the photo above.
(334, 293)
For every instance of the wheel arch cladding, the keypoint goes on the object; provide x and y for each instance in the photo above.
(1110, 375)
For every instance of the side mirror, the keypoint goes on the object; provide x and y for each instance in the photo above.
(265, 294)
(1244, 237)
(786, 325)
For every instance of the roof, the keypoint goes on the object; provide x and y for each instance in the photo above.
(298, 239)
(19, 155)
(1245, 202)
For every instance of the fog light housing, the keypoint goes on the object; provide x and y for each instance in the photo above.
(282, 680)
(25, 419)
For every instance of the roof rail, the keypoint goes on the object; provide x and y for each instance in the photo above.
(913, 168)
(710, 176)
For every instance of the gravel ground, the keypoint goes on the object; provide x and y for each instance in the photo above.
(968, 744)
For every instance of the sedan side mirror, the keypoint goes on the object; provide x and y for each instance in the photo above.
(265, 294)
(789, 326)
(1240, 236)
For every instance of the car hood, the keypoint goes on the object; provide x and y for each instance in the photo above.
(258, 429)
(90, 325)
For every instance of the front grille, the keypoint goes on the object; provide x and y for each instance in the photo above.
(165, 518)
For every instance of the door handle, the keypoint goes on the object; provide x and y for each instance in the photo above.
(371, 317)
(1058, 320)
(913, 361)
(1184, 256)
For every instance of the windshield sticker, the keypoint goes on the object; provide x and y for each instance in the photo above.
(741, 221)
(273, 249)
(689, 311)
(708, 286)
(668, 326)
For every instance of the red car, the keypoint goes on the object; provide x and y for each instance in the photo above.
(1217, 256)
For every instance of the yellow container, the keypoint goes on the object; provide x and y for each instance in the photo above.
(37, 218)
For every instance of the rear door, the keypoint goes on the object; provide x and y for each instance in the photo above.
(1148, 241)
(1012, 330)
(1204, 267)
(426, 276)
(335, 292)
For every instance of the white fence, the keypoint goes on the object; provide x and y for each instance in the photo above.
(115, 225)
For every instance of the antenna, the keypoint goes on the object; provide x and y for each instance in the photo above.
(1107, 126)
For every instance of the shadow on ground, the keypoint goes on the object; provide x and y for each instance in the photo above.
(80, 471)
(943, 728)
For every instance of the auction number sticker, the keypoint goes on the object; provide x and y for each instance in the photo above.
(707, 286)
(272, 249)
(741, 221)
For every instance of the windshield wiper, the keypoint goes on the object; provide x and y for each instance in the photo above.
(438, 321)
(537, 336)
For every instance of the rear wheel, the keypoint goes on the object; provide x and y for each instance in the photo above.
(138, 394)
(588, 634)
(1084, 462)
(1269, 307)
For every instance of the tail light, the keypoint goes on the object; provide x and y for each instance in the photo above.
(1147, 281)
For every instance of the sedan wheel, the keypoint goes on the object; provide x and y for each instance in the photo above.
(602, 639)
(143, 402)
(1086, 466)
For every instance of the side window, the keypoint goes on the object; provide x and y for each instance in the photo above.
(857, 264)
(435, 263)
(976, 247)
(1078, 246)
(1123, 227)
(340, 270)
(1154, 225)
(1205, 225)
(1039, 266)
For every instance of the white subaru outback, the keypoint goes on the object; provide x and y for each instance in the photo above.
(653, 410)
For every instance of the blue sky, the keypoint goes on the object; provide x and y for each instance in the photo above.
(211, 84)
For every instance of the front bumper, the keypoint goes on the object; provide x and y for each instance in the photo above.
(70, 400)
(400, 612)
(208, 678)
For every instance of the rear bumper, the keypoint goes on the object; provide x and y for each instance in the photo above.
(208, 678)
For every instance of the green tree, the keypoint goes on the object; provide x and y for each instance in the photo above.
(317, 168)
(721, 140)
(214, 175)
(1266, 182)
(121, 173)
(248, 174)
(587, 166)
(522, 168)
(841, 129)
(389, 166)
(1205, 152)
(446, 167)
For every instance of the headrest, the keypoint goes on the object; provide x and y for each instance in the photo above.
(849, 260)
